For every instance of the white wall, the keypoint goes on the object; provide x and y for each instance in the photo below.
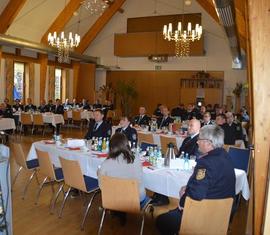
(218, 57)
(100, 79)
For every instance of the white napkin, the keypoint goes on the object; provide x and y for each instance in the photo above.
(73, 143)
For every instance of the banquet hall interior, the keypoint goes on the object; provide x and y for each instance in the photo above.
(77, 74)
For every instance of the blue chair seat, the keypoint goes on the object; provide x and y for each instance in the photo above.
(58, 173)
(145, 201)
(90, 183)
(240, 158)
(31, 164)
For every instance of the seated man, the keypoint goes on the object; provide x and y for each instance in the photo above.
(158, 111)
(232, 130)
(29, 106)
(18, 106)
(165, 120)
(207, 119)
(50, 106)
(43, 108)
(126, 129)
(213, 178)
(179, 111)
(220, 119)
(142, 118)
(58, 108)
(98, 127)
(6, 101)
(189, 144)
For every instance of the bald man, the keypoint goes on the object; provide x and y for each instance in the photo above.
(189, 144)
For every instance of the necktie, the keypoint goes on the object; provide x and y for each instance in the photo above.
(140, 119)
(95, 126)
(161, 124)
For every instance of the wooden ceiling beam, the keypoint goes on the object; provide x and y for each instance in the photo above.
(62, 18)
(209, 7)
(9, 14)
(99, 25)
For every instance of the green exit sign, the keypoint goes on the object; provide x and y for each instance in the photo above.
(158, 67)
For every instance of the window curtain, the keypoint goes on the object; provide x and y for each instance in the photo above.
(9, 74)
(51, 85)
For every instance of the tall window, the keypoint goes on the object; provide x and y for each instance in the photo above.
(57, 91)
(18, 91)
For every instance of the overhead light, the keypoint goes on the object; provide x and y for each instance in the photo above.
(96, 7)
(188, 2)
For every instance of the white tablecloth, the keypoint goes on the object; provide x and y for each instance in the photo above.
(84, 114)
(48, 118)
(165, 181)
(7, 124)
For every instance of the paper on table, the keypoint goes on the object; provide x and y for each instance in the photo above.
(75, 143)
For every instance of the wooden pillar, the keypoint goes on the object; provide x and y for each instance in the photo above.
(51, 90)
(259, 18)
(43, 73)
(9, 73)
(76, 71)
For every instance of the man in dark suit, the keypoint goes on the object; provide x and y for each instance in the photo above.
(212, 178)
(189, 144)
(29, 106)
(43, 108)
(142, 118)
(98, 127)
(232, 130)
(58, 108)
(207, 119)
(179, 111)
(165, 120)
(6, 101)
(129, 131)
(18, 106)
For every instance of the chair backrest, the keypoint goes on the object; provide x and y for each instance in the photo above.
(112, 187)
(144, 145)
(65, 115)
(176, 126)
(206, 217)
(76, 115)
(45, 164)
(38, 119)
(73, 174)
(164, 141)
(26, 119)
(19, 156)
(240, 158)
(145, 137)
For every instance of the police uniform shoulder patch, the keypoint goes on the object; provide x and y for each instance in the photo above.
(134, 136)
(200, 174)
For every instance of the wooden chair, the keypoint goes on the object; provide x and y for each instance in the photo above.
(66, 119)
(30, 166)
(112, 187)
(164, 141)
(145, 137)
(26, 120)
(228, 146)
(38, 122)
(76, 118)
(51, 174)
(196, 214)
(74, 178)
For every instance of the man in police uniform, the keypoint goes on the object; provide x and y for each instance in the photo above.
(126, 129)
(98, 127)
(232, 130)
(206, 120)
(142, 118)
(213, 178)
(165, 120)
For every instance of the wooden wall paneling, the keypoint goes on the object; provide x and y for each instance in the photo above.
(213, 96)
(188, 95)
(86, 82)
(51, 90)
(43, 73)
(259, 18)
(9, 74)
(151, 43)
(156, 23)
(31, 81)
(76, 69)
(64, 85)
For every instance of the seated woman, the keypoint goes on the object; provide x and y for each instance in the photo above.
(121, 163)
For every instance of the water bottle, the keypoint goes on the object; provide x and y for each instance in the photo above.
(100, 144)
(186, 162)
(107, 145)
(103, 146)
(182, 155)
(169, 155)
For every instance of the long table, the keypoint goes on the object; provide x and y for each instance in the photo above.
(7, 124)
(85, 114)
(165, 181)
(51, 118)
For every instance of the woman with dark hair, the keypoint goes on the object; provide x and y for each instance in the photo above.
(121, 163)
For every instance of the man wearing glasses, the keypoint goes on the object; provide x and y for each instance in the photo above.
(213, 178)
